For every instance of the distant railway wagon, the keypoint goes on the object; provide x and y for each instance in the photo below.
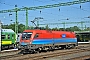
(83, 36)
(8, 38)
(37, 40)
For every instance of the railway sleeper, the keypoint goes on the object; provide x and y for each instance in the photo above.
(26, 51)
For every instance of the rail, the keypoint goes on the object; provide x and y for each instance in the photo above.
(47, 54)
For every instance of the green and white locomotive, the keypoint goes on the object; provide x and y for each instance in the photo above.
(8, 38)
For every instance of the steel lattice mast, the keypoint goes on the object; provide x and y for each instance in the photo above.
(64, 23)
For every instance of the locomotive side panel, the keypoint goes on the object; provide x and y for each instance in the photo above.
(44, 38)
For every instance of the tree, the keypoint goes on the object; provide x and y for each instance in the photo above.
(12, 26)
(5, 27)
(43, 28)
(21, 28)
(87, 29)
(62, 29)
(31, 27)
(47, 27)
(75, 28)
(68, 29)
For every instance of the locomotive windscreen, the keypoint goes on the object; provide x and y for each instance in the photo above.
(26, 35)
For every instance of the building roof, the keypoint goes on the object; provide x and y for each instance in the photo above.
(7, 30)
(82, 31)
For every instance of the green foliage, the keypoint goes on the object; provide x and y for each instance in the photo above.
(47, 27)
(55, 28)
(5, 26)
(75, 28)
(12, 26)
(62, 29)
(21, 27)
(31, 27)
(87, 29)
(43, 28)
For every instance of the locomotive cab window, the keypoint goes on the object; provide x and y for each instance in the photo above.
(37, 35)
(12, 36)
(8, 36)
(26, 35)
(3, 36)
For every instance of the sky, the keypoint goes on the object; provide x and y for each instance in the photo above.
(49, 15)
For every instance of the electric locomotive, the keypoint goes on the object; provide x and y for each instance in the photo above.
(38, 40)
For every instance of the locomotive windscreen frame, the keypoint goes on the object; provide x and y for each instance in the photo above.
(26, 35)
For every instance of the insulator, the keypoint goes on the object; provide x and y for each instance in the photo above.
(80, 6)
(15, 5)
(11, 20)
(10, 14)
(59, 9)
(67, 19)
(40, 12)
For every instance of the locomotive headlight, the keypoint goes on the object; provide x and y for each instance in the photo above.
(30, 42)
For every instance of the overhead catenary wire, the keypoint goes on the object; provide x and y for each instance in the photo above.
(71, 6)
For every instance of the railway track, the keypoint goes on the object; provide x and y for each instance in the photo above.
(45, 55)
(9, 52)
(15, 51)
(82, 58)
(80, 55)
